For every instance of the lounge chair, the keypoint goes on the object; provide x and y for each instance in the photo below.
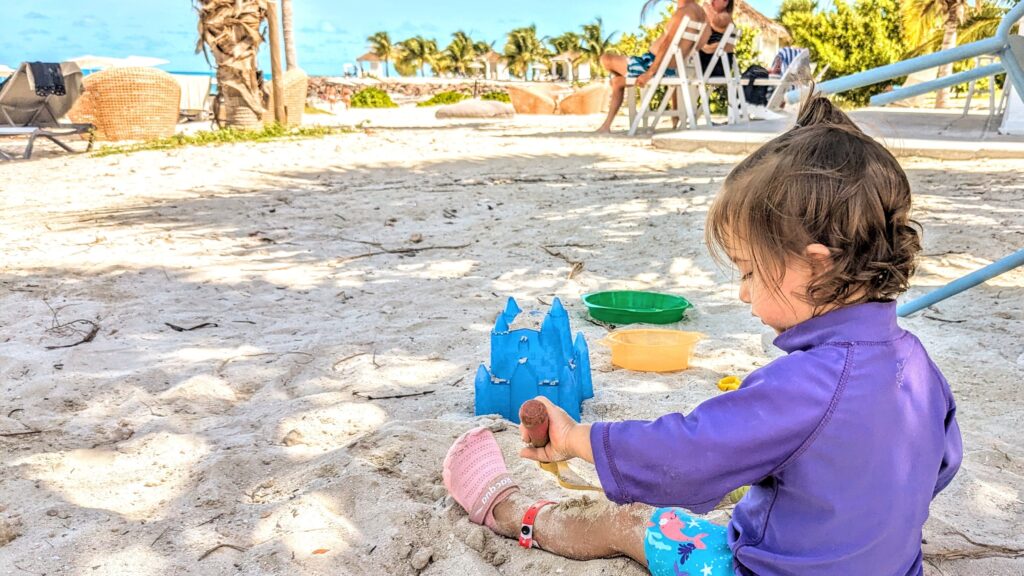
(730, 79)
(683, 65)
(196, 98)
(23, 113)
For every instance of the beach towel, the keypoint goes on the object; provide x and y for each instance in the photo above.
(194, 90)
(48, 79)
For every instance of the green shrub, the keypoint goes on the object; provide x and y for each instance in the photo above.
(497, 96)
(371, 97)
(442, 98)
(228, 136)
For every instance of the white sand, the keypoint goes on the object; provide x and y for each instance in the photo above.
(148, 447)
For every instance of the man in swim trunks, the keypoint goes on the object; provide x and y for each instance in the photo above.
(643, 67)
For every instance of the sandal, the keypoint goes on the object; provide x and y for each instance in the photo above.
(476, 476)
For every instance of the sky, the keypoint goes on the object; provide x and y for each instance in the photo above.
(329, 33)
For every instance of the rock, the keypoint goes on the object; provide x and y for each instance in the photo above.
(476, 109)
(9, 531)
(477, 538)
(439, 492)
(422, 558)
(293, 438)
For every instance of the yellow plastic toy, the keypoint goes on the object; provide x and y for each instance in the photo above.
(651, 350)
(729, 383)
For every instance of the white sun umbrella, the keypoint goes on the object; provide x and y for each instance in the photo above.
(145, 61)
(90, 62)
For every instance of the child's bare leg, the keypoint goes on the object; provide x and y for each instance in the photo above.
(580, 529)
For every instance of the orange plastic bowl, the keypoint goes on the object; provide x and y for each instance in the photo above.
(651, 350)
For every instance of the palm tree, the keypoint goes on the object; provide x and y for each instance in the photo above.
(230, 30)
(380, 44)
(595, 44)
(420, 51)
(482, 48)
(568, 42)
(288, 31)
(920, 17)
(461, 53)
(523, 48)
(981, 23)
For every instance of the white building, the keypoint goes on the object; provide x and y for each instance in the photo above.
(494, 66)
(371, 65)
(568, 67)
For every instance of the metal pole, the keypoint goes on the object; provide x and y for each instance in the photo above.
(933, 85)
(957, 286)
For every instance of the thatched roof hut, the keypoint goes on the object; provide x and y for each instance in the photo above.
(770, 35)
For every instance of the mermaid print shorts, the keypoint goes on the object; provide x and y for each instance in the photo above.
(678, 544)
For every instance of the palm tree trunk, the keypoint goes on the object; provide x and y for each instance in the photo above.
(288, 30)
(948, 41)
(229, 29)
(387, 68)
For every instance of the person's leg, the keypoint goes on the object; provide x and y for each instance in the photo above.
(618, 67)
(476, 476)
(580, 529)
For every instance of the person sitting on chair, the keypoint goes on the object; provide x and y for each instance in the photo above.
(719, 17)
(644, 67)
(783, 59)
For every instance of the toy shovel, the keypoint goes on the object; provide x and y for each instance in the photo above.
(534, 417)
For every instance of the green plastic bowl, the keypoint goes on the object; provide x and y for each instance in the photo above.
(632, 307)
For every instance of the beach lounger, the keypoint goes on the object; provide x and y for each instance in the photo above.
(26, 113)
(196, 98)
(683, 65)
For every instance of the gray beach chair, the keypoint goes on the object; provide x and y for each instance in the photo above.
(23, 113)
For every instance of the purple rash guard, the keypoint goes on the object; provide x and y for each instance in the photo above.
(844, 441)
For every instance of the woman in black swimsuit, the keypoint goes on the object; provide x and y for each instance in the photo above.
(719, 14)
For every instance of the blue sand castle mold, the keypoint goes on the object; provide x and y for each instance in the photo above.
(526, 363)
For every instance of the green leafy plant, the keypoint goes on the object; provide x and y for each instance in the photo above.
(227, 136)
(849, 37)
(442, 98)
(371, 97)
(497, 96)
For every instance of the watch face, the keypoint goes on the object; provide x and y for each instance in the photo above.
(527, 531)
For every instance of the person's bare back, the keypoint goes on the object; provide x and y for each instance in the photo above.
(686, 8)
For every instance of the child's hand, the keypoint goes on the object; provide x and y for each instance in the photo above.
(644, 78)
(560, 428)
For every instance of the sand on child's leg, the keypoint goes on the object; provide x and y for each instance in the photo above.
(583, 528)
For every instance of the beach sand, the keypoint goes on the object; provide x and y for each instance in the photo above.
(249, 445)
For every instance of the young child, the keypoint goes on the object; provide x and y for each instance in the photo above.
(844, 441)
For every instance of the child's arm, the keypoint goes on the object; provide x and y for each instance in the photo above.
(954, 452)
(731, 440)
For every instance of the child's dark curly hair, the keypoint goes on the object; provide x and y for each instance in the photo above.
(824, 182)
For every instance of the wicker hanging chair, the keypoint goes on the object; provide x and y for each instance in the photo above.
(129, 104)
(296, 87)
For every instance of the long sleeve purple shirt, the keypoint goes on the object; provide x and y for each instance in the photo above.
(844, 441)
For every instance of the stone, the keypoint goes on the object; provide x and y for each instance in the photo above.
(421, 558)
